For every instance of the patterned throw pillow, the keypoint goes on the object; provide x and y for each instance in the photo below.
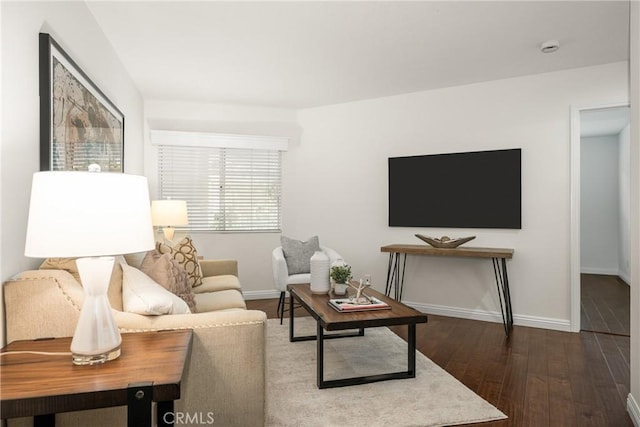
(170, 275)
(297, 254)
(185, 253)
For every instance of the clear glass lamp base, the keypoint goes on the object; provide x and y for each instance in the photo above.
(95, 359)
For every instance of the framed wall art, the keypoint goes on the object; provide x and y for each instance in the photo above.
(79, 125)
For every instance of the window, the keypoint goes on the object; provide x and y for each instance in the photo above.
(230, 182)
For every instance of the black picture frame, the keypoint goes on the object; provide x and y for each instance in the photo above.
(79, 125)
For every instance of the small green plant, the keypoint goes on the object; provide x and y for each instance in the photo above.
(341, 273)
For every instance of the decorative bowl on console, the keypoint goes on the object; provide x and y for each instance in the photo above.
(444, 241)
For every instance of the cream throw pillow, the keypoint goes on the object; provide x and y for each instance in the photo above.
(142, 295)
(185, 253)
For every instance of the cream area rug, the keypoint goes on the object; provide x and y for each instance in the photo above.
(433, 398)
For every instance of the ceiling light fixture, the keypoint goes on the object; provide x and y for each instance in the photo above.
(550, 46)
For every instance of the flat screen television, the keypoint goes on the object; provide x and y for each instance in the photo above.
(480, 189)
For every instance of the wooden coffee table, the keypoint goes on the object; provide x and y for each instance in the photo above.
(328, 319)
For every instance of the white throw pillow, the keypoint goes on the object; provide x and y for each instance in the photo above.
(142, 295)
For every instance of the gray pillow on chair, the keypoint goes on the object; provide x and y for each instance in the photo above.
(297, 254)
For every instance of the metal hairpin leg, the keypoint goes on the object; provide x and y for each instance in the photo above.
(280, 308)
(395, 275)
(401, 282)
(387, 289)
(504, 296)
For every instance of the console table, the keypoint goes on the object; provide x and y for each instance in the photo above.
(149, 369)
(398, 260)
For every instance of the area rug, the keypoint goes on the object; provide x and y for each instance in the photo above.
(433, 398)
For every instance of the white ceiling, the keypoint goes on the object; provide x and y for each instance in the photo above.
(305, 54)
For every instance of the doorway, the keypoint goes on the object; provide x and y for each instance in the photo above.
(600, 220)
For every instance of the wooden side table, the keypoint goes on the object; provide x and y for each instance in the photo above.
(150, 368)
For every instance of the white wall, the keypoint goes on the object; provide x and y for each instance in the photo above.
(336, 179)
(633, 403)
(73, 27)
(599, 205)
(624, 182)
(252, 250)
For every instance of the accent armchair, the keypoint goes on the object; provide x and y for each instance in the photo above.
(282, 278)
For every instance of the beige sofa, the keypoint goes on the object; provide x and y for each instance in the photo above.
(226, 371)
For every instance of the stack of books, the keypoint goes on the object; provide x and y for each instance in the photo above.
(347, 304)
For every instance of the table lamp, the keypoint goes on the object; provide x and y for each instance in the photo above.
(90, 215)
(169, 213)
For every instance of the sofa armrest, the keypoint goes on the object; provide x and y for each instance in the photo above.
(219, 267)
(41, 304)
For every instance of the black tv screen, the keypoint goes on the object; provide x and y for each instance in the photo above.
(479, 189)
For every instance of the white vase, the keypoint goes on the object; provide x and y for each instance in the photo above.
(320, 273)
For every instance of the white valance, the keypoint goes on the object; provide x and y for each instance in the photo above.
(218, 140)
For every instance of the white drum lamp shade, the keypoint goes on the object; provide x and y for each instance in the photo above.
(169, 213)
(90, 214)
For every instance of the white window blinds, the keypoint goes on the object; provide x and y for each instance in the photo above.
(226, 189)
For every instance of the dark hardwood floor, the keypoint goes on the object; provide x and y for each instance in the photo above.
(605, 304)
(537, 377)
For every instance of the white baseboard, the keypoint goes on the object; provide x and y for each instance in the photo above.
(596, 270)
(625, 278)
(492, 316)
(607, 272)
(463, 313)
(634, 410)
(250, 295)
